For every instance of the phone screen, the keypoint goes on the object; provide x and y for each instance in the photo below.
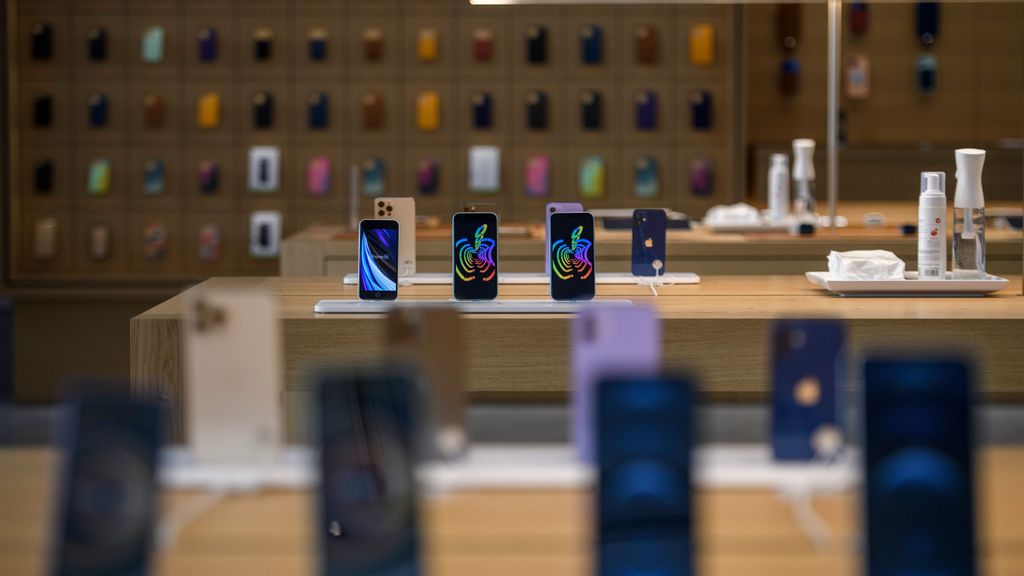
(108, 502)
(919, 479)
(475, 256)
(572, 256)
(368, 508)
(378, 260)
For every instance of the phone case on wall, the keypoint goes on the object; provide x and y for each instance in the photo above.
(264, 169)
(859, 18)
(645, 110)
(374, 181)
(373, 44)
(42, 41)
(262, 110)
(926, 74)
(154, 111)
(154, 242)
(537, 175)
(536, 44)
(484, 169)
(318, 176)
(592, 176)
(99, 243)
(649, 242)
(97, 44)
(591, 44)
(265, 229)
(317, 110)
(927, 20)
(536, 110)
(153, 178)
(43, 176)
(428, 111)
(702, 177)
(153, 45)
(610, 341)
(428, 176)
(483, 44)
(98, 110)
(789, 76)
(808, 368)
(316, 44)
(788, 23)
(428, 45)
(701, 111)
(209, 176)
(858, 77)
(263, 44)
(702, 45)
(373, 111)
(591, 110)
(646, 177)
(99, 177)
(646, 48)
(208, 111)
(208, 44)
(42, 111)
(482, 104)
(208, 244)
(432, 338)
(44, 239)
(233, 366)
(402, 210)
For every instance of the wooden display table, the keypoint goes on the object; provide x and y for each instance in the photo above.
(718, 329)
(507, 533)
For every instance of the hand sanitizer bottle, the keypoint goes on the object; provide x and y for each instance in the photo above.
(969, 216)
(931, 230)
(804, 207)
(778, 189)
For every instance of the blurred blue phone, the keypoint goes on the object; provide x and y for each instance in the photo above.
(649, 242)
(808, 364)
(367, 522)
(919, 479)
(107, 506)
(644, 501)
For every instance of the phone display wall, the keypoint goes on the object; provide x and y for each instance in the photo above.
(111, 158)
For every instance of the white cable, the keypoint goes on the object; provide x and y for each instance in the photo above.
(168, 530)
(827, 443)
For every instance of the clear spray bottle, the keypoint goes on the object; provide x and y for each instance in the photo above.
(969, 216)
(804, 207)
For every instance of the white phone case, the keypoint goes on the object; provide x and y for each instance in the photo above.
(404, 211)
(265, 234)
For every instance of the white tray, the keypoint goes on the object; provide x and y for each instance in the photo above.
(910, 286)
(465, 307)
(622, 278)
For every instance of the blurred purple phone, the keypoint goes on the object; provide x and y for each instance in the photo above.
(608, 342)
(550, 209)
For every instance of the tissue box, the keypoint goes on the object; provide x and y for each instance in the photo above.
(866, 265)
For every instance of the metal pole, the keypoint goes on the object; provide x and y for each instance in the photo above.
(835, 17)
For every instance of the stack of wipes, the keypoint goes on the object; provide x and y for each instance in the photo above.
(865, 265)
(732, 215)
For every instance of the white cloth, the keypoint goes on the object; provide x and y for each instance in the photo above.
(866, 265)
(732, 214)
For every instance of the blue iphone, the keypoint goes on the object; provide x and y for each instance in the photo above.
(807, 365)
(649, 242)
(644, 501)
(918, 477)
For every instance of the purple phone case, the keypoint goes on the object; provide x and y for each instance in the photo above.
(608, 341)
(554, 207)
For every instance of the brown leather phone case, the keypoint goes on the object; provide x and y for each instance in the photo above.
(373, 111)
(373, 44)
(645, 38)
(154, 111)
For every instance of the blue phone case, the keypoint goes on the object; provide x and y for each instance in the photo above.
(208, 41)
(98, 110)
(808, 358)
(317, 49)
(318, 107)
(700, 109)
(592, 44)
(927, 18)
(153, 182)
(649, 242)
(373, 177)
(483, 110)
(646, 110)
(919, 476)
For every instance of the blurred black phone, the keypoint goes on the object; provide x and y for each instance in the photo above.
(6, 351)
(107, 502)
(368, 507)
(919, 474)
(644, 501)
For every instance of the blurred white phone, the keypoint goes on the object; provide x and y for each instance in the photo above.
(233, 374)
(404, 211)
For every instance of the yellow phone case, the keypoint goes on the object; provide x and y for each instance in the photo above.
(208, 112)
(428, 111)
(702, 44)
(427, 48)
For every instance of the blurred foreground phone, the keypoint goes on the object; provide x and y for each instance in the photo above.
(233, 375)
(431, 337)
(367, 521)
(572, 256)
(6, 350)
(919, 475)
(608, 341)
(107, 502)
(808, 364)
(403, 211)
(649, 239)
(550, 209)
(378, 259)
(475, 255)
(644, 502)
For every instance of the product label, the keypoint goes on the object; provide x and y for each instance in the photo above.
(931, 240)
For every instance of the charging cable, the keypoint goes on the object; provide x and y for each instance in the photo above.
(827, 442)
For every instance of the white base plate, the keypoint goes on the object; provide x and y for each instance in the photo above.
(292, 470)
(743, 228)
(465, 307)
(623, 278)
(909, 286)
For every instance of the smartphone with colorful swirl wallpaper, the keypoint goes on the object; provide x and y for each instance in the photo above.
(572, 256)
(475, 256)
(378, 260)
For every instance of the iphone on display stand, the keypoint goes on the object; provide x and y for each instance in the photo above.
(649, 239)
(403, 211)
(475, 256)
(550, 209)
(378, 259)
(571, 250)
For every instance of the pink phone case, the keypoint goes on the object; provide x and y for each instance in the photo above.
(538, 174)
(318, 176)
